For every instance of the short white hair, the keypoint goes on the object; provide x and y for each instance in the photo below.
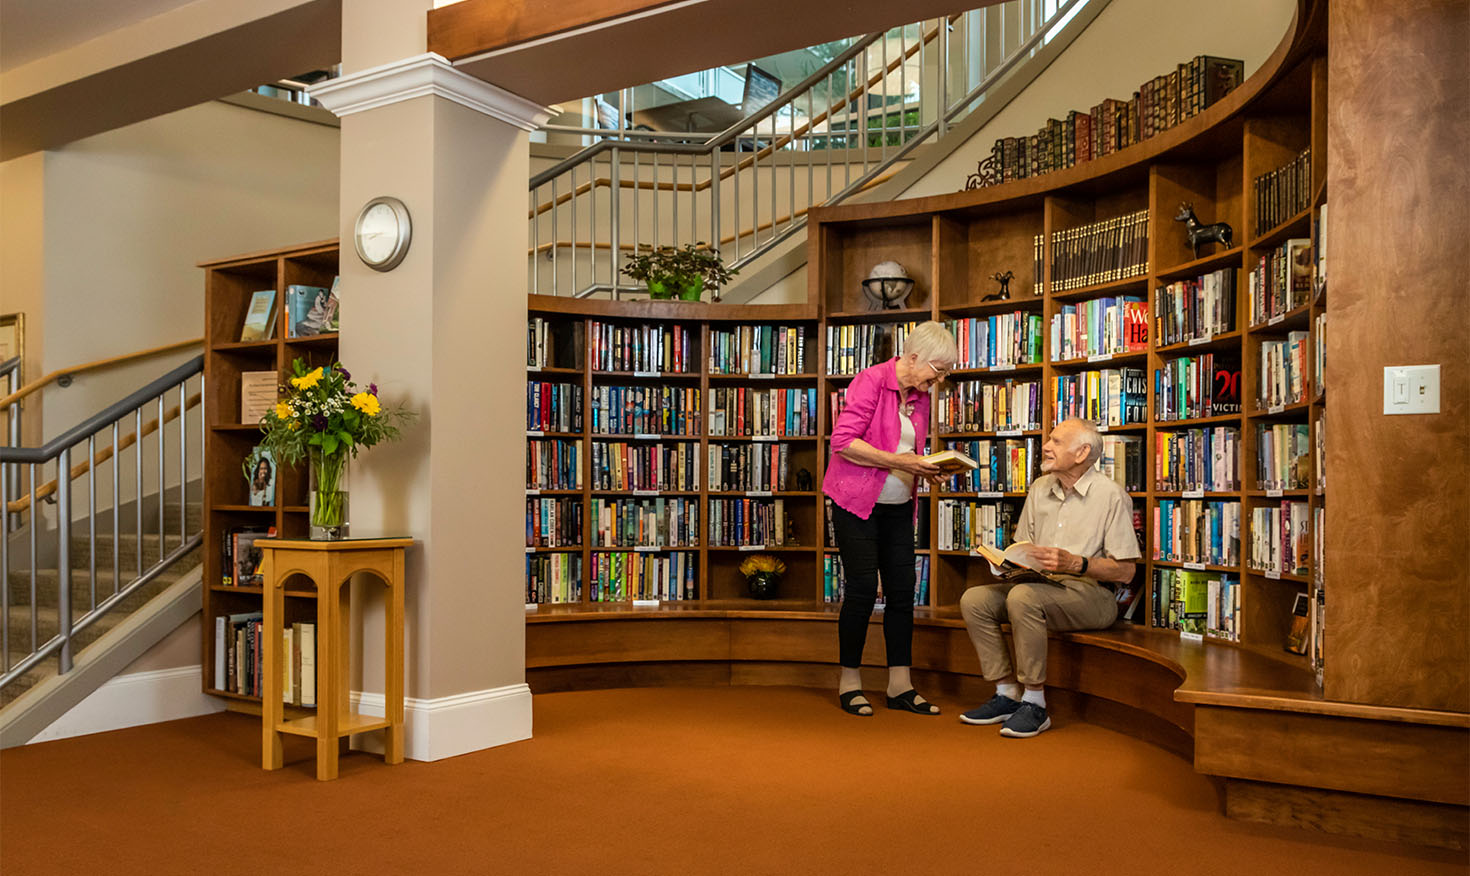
(932, 342)
(1090, 436)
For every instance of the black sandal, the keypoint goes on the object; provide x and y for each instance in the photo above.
(846, 701)
(908, 701)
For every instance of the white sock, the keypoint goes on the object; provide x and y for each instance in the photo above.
(1037, 697)
(1011, 690)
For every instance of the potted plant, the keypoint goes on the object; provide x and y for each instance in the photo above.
(762, 575)
(324, 417)
(686, 271)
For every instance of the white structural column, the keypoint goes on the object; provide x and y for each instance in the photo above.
(443, 332)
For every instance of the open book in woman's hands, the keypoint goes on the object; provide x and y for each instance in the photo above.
(951, 462)
(1017, 563)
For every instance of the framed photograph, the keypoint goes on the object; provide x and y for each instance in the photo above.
(260, 477)
(13, 343)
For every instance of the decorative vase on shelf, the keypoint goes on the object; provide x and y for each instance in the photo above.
(659, 290)
(692, 290)
(327, 495)
(763, 585)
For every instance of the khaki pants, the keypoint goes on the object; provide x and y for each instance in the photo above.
(1032, 609)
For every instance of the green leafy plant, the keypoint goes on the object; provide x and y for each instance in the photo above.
(670, 270)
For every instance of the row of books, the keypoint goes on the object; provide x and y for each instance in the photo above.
(851, 348)
(1319, 451)
(749, 522)
(239, 658)
(553, 344)
(553, 522)
(1319, 245)
(1191, 387)
(1280, 543)
(1197, 531)
(1281, 281)
(622, 576)
(553, 578)
(1099, 252)
(240, 559)
(554, 464)
(758, 349)
(553, 407)
(1283, 375)
(310, 311)
(834, 582)
(1197, 459)
(1319, 352)
(617, 465)
(1283, 456)
(973, 406)
(1000, 341)
(1107, 397)
(1006, 465)
(740, 411)
(1122, 461)
(964, 524)
(1195, 310)
(1197, 603)
(647, 349)
(921, 525)
(645, 522)
(1159, 104)
(1099, 327)
(752, 466)
(1284, 192)
(645, 410)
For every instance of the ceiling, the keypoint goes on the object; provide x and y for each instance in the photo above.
(32, 29)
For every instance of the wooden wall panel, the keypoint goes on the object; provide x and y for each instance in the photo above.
(1339, 812)
(1398, 515)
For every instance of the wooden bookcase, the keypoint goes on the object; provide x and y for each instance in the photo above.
(228, 285)
(951, 244)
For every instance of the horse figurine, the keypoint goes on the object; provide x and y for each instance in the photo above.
(1218, 233)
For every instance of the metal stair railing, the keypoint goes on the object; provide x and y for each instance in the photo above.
(27, 471)
(837, 132)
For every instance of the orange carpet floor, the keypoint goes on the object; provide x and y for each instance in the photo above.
(654, 781)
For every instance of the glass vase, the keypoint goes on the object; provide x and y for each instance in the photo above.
(327, 496)
(763, 585)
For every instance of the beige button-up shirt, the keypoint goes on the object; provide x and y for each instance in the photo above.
(1092, 518)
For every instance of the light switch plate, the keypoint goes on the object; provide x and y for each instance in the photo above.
(1411, 389)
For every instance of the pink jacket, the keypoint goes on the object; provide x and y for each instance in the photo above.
(871, 414)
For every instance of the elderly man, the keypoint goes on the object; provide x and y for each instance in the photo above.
(1082, 525)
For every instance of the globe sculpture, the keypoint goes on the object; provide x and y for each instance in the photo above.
(888, 286)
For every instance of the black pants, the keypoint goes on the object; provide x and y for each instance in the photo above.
(884, 543)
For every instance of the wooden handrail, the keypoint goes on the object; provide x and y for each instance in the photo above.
(775, 144)
(40, 382)
(102, 455)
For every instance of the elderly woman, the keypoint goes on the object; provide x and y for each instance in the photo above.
(871, 480)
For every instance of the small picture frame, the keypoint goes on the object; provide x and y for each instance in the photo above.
(260, 477)
(13, 344)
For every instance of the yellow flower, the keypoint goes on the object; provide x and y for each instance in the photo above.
(283, 411)
(307, 381)
(367, 403)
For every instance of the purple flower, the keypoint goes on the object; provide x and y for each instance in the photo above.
(372, 389)
(346, 375)
(319, 423)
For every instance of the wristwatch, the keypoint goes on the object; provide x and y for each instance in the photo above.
(1084, 567)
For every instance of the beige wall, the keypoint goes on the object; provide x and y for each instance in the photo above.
(22, 265)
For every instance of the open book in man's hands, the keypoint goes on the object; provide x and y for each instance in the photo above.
(1017, 563)
(951, 462)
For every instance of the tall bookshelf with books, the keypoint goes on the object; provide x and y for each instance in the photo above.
(263, 311)
(1199, 366)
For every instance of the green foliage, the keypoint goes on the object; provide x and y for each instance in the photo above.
(678, 266)
(322, 408)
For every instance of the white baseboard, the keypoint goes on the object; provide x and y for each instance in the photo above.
(453, 725)
(131, 700)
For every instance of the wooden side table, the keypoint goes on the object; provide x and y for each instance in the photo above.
(330, 565)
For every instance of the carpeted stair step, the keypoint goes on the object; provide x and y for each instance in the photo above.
(48, 580)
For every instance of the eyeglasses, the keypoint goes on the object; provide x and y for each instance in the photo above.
(939, 373)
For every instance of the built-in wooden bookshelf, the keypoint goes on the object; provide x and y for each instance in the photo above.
(951, 245)
(228, 286)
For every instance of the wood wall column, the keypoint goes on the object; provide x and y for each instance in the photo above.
(1398, 514)
(444, 332)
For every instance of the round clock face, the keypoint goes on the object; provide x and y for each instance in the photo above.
(382, 233)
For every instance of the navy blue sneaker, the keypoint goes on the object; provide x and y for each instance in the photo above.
(1029, 720)
(998, 709)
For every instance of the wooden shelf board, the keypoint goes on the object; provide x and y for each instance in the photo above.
(1024, 433)
(248, 508)
(786, 548)
(559, 549)
(1297, 226)
(537, 491)
(987, 308)
(1202, 265)
(1296, 319)
(640, 436)
(1224, 341)
(538, 433)
(1209, 494)
(907, 314)
(236, 427)
(1218, 419)
(1285, 412)
(322, 340)
(1209, 567)
(642, 375)
(1009, 494)
(1100, 290)
(1284, 576)
(256, 590)
(761, 439)
(245, 346)
(352, 722)
(763, 378)
(1001, 372)
(643, 494)
(774, 494)
(549, 369)
(1116, 360)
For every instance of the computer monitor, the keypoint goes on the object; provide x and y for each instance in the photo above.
(761, 88)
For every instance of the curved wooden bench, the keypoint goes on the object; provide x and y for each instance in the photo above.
(1255, 721)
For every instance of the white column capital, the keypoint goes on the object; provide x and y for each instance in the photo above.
(429, 74)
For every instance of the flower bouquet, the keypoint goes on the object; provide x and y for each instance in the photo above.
(762, 575)
(324, 417)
